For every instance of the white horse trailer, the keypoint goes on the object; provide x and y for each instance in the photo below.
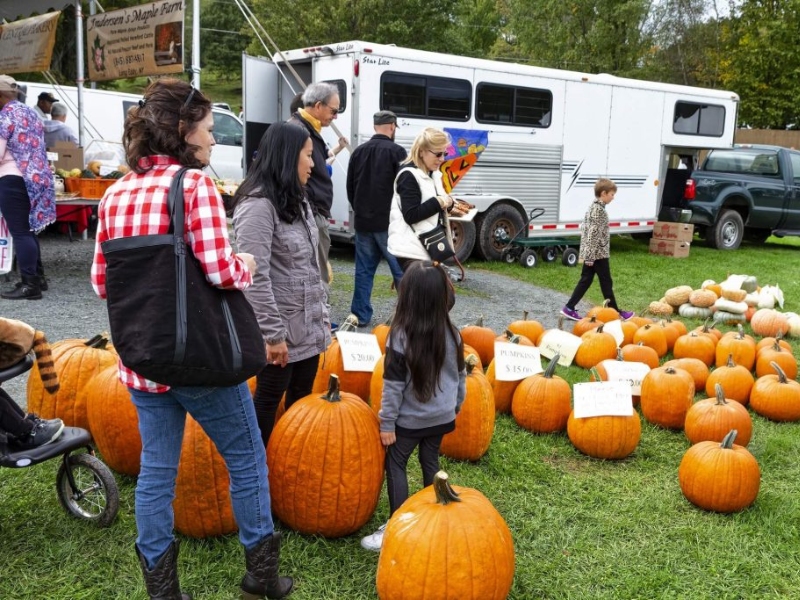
(551, 133)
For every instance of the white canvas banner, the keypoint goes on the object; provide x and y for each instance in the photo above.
(27, 45)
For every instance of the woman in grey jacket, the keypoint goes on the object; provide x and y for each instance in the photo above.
(272, 220)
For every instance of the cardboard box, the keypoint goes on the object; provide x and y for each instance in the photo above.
(679, 232)
(69, 156)
(671, 248)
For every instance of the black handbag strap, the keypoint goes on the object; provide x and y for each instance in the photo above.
(175, 206)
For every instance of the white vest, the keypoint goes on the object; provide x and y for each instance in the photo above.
(403, 240)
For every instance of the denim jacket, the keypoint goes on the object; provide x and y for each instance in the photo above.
(287, 294)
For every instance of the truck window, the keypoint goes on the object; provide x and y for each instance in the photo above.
(794, 157)
(513, 105)
(699, 119)
(426, 97)
(752, 160)
(227, 130)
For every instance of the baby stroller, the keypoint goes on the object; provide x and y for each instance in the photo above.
(85, 485)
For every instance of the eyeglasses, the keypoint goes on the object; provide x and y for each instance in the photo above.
(330, 108)
(438, 154)
(188, 99)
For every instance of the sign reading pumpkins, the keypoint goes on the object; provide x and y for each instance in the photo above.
(137, 41)
(27, 45)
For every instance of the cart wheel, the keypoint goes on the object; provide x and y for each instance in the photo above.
(95, 497)
(549, 254)
(508, 257)
(528, 258)
(570, 257)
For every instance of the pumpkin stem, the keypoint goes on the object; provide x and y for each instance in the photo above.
(470, 361)
(551, 368)
(740, 334)
(595, 373)
(669, 370)
(513, 338)
(479, 321)
(606, 302)
(524, 315)
(730, 362)
(98, 341)
(332, 395)
(720, 394)
(560, 322)
(445, 494)
(727, 441)
(779, 371)
(619, 354)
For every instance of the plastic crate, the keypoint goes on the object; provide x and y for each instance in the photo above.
(72, 184)
(95, 188)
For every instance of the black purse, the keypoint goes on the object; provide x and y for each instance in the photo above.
(168, 323)
(436, 243)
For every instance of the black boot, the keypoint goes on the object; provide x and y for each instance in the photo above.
(42, 280)
(262, 579)
(162, 580)
(28, 288)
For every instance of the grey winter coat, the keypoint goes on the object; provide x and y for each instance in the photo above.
(287, 294)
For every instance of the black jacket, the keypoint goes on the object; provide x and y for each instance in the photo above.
(319, 187)
(370, 181)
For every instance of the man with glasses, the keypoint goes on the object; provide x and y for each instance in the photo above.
(320, 108)
(370, 188)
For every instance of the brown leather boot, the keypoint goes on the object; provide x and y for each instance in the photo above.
(162, 580)
(261, 579)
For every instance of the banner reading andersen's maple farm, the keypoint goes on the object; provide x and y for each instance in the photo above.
(27, 45)
(136, 41)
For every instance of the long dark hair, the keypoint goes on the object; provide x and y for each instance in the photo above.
(169, 111)
(273, 173)
(422, 315)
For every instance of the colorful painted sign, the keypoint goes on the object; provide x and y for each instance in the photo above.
(27, 45)
(462, 154)
(136, 41)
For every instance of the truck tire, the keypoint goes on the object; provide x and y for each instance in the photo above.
(496, 229)
(463, 238)
(727, 232)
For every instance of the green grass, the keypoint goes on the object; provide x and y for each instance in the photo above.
(583, 528)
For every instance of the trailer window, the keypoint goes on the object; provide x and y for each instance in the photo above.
(699, 119)
(423, 96)
(341, 86)
(513, 105)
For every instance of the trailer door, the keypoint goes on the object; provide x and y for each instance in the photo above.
(261, 94)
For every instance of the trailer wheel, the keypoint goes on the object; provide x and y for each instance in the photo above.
(528, 258)
(463, 238)
(727, 232)
(508, 256)
(549, 254)
(570, 257)
(496, 229)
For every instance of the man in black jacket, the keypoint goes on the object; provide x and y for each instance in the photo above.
(320, 108)
(370, 188)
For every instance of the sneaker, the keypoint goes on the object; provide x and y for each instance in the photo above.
(43, 433)
(626, 314)
(375, 541)
(36, 418)
(571, 313)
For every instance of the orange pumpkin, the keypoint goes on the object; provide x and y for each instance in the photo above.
(768, 342)
(113, 421)
(541, 402)
(694, 366)
(326, 463)
(585, 324)
(381, 332)
(600, 373)
(331, 363)
(530, 328)
(708, 328)
(738, 347)
(76, 362)
(653, 336)
(509, 336)
(596, 345)
(769, 322)
(609, 437)
(628, 331)
(776, 397)
(722, 477)
(640, 353)
(711, 419)
(776, 353)
(504, 390)
(481, 339)
(736, 380)
(695, 345)
(604, 313)
(667, 395)
(475, 421)
(425, 547)
(470, 350)
(202, 502)
(376, 385)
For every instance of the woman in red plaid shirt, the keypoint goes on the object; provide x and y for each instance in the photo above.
(172, 127)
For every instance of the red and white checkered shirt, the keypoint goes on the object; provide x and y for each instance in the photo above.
(137, 205)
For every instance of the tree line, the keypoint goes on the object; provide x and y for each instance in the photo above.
(745, 46)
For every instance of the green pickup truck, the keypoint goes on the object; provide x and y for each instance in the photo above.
(744, 193)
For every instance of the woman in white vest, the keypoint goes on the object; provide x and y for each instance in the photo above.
(420, 201)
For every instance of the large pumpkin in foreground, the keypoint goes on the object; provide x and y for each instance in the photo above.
(723, 477)
(202, 502)
(76, 362)
(447, 543)
(325, 462)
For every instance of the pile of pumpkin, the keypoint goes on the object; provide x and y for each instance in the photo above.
(734, 300)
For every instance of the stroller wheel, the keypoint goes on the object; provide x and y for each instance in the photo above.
(95, 496)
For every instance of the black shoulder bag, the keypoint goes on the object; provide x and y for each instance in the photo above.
(168, 323)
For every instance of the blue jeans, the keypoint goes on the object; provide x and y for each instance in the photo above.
(370, 248)
(228, 417)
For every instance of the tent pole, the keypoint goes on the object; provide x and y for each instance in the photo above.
(196, 44)
(79, 67)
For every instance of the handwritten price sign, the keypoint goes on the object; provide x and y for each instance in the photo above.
(631, 373)
(601, 399)
(615, 328)
(360, 351)
(562, 343)
(513, 362)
